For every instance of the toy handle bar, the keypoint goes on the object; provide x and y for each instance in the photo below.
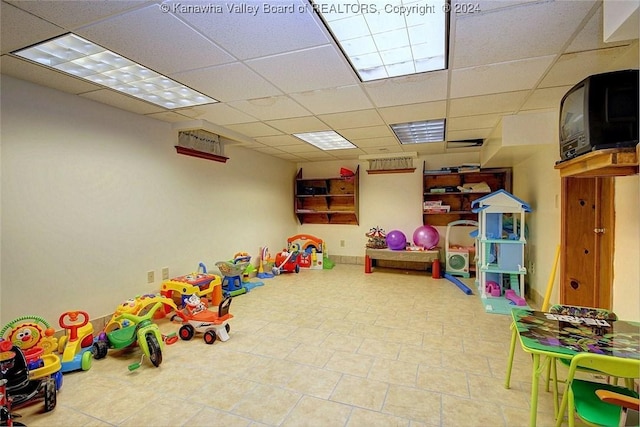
(138, 319)
(73, 327)
(17, 320)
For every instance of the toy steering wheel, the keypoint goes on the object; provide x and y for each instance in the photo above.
(73, 327)
(138, 319)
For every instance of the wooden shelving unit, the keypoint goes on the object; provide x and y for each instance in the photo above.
(601, 163)
(327, 200)
(460, 201)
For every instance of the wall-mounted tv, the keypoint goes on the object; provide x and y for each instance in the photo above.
(600, 112)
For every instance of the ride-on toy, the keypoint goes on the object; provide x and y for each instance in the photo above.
(197, 318)
(286, 262)
(134, 328)
(17, 389)
(34, 336)
(76, 346)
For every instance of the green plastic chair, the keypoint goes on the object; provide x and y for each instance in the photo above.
(581, 396)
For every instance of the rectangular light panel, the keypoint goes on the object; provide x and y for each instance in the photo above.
(81, 58)
(389, 39)
(325, 140)
(419, 132)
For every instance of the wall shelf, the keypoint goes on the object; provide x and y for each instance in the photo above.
(200, 154)
(601, 163)
(326, 200)
(381, 171)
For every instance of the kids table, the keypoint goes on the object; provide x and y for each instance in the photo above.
(562, 336)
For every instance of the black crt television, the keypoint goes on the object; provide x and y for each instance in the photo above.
(600, 112)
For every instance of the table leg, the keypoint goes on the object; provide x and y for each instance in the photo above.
(534, 390)
(512, 350)
(367, 264)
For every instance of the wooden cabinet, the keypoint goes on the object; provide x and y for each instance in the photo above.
(327, 200)
(456, 192)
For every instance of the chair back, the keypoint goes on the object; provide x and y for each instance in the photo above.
(579, 311)
(613, 366)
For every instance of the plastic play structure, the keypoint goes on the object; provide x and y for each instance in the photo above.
(501, 242)
(196, 317)
(310, 250)
(77, 343)
(200, 283)
(35, 338)
(457, 258)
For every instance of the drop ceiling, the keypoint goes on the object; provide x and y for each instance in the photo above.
(276, 74)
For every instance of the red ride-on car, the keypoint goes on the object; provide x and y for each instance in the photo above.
(196, 317)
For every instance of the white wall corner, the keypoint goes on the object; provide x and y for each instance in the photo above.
(621, 20)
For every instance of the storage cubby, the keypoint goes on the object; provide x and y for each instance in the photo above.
(451, 190)
(327, 200)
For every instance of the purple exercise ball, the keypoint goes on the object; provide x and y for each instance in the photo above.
(396, 240)
(426, 236)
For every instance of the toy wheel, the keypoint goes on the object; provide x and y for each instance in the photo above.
(186, 332)
(297, 270)
(155, 351)
(210, 337)
(227, 327)
(87, 358)
(100, 349)
(58, 378)
(275, 271)
(50, 394)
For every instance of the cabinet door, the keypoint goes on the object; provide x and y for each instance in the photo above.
(587, 242)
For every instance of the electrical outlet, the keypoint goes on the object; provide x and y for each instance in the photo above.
(151, 276)
(342, 243)
(165, 273)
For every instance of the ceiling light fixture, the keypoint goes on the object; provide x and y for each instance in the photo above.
(325, 140)
(420, 132)
(389, 40)
(81, 58)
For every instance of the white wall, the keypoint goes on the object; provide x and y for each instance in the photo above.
(93, 197)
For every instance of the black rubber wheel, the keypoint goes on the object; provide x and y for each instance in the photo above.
(100, 349)
(297, 268)
(155, 351)
(50, 394)
(227, 327)
(186, 332)
(210, 337)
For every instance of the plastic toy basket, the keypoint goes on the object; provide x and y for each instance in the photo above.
(230, 269)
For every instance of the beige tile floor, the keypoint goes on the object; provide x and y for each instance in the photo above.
(320, 348)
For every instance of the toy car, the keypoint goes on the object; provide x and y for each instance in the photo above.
(196, 317)
(286, 262)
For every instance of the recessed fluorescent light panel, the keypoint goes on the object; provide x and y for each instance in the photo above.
(389, 39)
(420, 132)
(83, 59)
(325, 140)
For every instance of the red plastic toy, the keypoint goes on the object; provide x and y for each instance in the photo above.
(196, 317)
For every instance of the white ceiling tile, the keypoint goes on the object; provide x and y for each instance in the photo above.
(74, 14)
(310, 69)
(169, 116)
(389, 141)
(232, 82)
(414, 89)
(145, 35)
(429, 148)
(545, 98)
(301, 147)
(367, 132)
(591, 36)
(496, 78)
(352, 119)
(247, 35)
(336, 99)
(222, 114)
(414, 112)
(573, 67)
(514, 33)
(254, 129)
(115, 99)
(278, 140)
(14, 22)
(298, 124)
(272, 108)
(383, 150)
(486, 104)
(473, 122)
